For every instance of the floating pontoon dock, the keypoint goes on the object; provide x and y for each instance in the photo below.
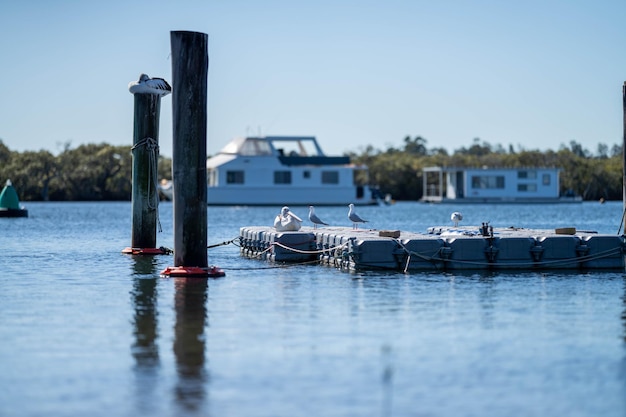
(444, 248)
(440, 248)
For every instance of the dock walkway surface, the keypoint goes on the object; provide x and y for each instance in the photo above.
(439, 248)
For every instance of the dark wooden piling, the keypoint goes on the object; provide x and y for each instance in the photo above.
(190, 62)
(145, 151)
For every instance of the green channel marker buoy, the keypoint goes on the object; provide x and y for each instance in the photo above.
(10, 203)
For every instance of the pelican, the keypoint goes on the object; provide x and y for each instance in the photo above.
(147, 85)
(354, 218)
(456, 217)
(314, 219)
(287, 221)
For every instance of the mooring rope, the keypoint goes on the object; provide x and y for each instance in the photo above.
(584, 258)
(152, 147)
(227, 242)
(310, 252)
(289, 265)
(301, 251)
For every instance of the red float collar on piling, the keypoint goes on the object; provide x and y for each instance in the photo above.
(145, 251)
(193, 271)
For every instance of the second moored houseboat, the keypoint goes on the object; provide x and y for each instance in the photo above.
(494, 185)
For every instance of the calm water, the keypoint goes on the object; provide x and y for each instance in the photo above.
(87, 331)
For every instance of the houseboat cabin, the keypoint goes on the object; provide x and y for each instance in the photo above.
(284, 170)
(493, 185)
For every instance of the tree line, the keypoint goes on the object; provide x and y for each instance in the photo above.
(102, 172)
(90, 172)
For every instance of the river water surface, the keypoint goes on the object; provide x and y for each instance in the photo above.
(88, 331)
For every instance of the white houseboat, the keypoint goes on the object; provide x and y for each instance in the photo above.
(493, 185)
(285, 170)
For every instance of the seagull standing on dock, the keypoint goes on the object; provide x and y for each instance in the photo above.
(354, 218)
(314, 219)
(147, 85)
(456, 217)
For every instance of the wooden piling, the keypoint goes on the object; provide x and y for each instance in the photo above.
(190, 63)
(145, 198)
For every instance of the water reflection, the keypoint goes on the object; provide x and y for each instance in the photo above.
(144, 349)
(487, 297)
(189, 344)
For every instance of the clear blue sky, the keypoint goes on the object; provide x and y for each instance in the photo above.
(537, 73)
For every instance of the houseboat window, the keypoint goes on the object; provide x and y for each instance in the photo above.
(255, 147)
(282, 177)
(488, 181)
(330, 177)
(306, 174)
(212, 175)
(530, 175)
(526, 187)
(234, 177)
(546, 179)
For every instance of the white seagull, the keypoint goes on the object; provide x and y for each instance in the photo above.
(314, 219)
(147, 85)
(354, 218)
(456, 217)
